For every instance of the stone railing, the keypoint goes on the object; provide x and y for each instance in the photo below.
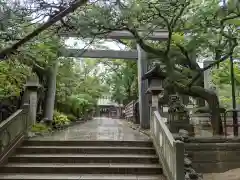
(13, 130)
(170, 151)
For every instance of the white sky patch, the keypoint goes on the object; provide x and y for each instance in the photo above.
(99, 45)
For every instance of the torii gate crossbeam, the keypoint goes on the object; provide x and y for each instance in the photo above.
(111, 54)
(139, 55)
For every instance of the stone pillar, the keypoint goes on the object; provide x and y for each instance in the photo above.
(155, 102)
(142, 88)
(30, 97)
(50, 101)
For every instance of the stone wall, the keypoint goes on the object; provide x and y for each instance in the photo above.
(213, 155)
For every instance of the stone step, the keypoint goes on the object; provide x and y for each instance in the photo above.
(84, 158)
(79, 177)
(85, 168)
(88, 143)
(84, 150)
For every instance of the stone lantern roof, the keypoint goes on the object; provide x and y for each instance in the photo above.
(155, 76)
(155, 73)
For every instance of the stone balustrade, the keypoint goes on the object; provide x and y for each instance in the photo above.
(169, 150)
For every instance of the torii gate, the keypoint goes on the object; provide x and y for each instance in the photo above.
(138, 55)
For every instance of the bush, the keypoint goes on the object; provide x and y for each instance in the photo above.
(60, 119)
(40, 128)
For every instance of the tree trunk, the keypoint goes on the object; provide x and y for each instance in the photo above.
(51, 92)
(200, 102)
(213, 104)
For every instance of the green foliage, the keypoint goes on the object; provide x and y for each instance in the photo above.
(60, 119)
(122, 80)
(78, 87)
(221, 74)
(13, 75)
(40, 128)
(221, 77)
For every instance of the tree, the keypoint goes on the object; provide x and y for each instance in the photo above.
(122, 80)
(196, 29)
(60, 10)
(74, 83)
(78, 86)
(222, 79)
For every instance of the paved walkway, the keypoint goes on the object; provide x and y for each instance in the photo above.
(98, 129)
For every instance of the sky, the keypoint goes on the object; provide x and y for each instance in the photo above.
(79, 44)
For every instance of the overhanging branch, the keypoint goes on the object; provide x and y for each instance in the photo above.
(143, 45)
(10, 50)
(208, 67)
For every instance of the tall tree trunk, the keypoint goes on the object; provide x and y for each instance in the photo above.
(213, 104)
(51, 92)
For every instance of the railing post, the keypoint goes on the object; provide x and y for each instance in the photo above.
(179, 160)
(26, 116)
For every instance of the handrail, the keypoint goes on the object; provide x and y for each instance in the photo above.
(170, 151)
(9, 120)
(12, 129)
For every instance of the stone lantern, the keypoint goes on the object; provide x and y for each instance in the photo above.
(178, 116)
(155, 77)
(30, 97)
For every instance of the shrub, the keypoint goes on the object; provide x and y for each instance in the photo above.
(60, 119)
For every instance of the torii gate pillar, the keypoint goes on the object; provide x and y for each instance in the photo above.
(144, 109)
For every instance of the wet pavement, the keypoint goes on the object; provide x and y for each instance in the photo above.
(98, 129)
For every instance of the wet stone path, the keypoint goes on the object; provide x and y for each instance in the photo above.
(98, 129)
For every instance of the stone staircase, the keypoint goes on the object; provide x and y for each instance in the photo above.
(95, 160)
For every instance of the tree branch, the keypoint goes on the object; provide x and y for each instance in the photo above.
(169, 29)
(10, 50)
(175, 19)
(208, 67)
(222, 25)
(192, 63)
(143, 45)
